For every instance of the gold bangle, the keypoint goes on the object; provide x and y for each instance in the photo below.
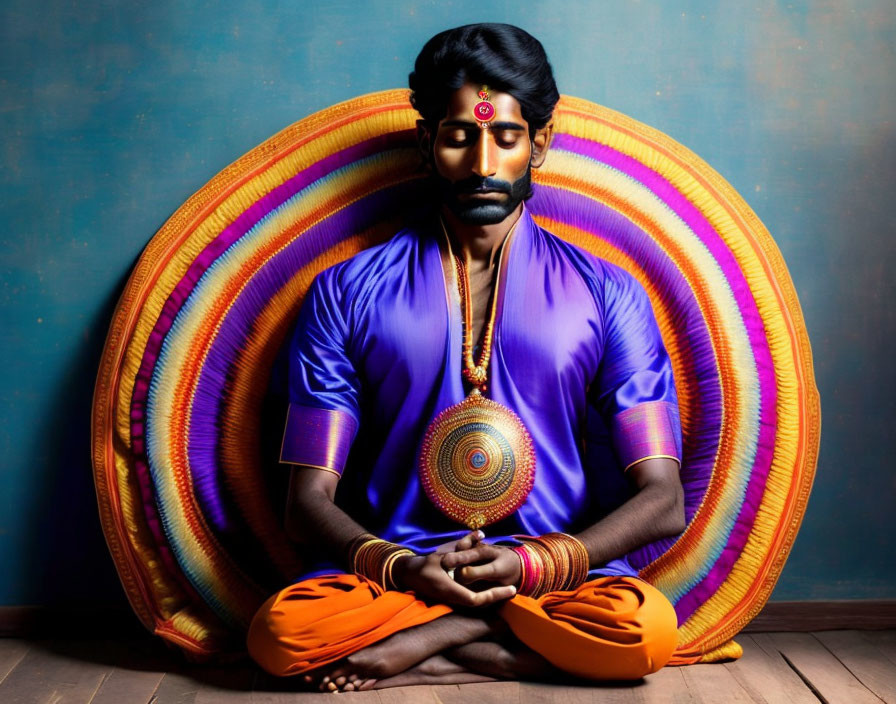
(575, 555)
(354, 547)
(388, 580)
(559, 560)
(373, 558)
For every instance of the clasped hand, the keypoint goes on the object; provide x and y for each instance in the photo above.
(447, 574)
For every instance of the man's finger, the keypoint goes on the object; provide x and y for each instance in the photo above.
(451, 592)
(479, 553)
(461, 596)
(470, 540)
(474, 573)
(495, 594)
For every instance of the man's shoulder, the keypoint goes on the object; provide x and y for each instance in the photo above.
(369, 265)
(592, 267)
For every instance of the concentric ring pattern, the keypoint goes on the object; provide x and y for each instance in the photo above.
(184, 502)
(477, 462)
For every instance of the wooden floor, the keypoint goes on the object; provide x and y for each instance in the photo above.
(840, 667)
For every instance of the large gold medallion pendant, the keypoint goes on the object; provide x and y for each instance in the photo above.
(477, 463)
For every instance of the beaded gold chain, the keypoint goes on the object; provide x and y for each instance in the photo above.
(476, 374)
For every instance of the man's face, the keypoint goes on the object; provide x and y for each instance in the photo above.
(482, 174)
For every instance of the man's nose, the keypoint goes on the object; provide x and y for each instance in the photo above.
(486, 164)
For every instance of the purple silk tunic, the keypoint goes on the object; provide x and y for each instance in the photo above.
(576, 354)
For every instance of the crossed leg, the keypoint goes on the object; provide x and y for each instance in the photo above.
(452, 649)
(347, 633)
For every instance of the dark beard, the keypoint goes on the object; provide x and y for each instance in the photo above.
(483, 211)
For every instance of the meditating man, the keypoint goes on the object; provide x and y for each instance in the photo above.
(458, 397)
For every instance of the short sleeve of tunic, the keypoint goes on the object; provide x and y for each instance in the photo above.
(323, 414)
(635, 389)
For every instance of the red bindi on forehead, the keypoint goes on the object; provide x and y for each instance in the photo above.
(484, 110)
(465, 101)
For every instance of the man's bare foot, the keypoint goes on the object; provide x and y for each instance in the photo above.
(403, 650)
(501, 660)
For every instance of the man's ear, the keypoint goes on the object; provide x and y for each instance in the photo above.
(424, 141)
(540, 144)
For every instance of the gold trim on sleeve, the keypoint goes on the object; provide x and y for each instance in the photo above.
(652, 457)
(312, 466)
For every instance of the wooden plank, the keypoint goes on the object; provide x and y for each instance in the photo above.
(224, 684)
(822, 672)
(139, 668)
(664, 687)
(479, 692)
(576, 693)
(132, 686)
(417, 694)
(713, 683)
(766, 676)
(885, 641)
(538, 692)
(64, 673)
(667, 686)
(805, 616)
(369, 697)
(11, 653)
(176, 688)
(268, 689)
(303, 697)
(864, 660)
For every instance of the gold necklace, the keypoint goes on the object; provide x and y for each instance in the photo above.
(477, 461)
(476, 374)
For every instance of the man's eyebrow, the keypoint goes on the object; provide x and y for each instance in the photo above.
(466, 124)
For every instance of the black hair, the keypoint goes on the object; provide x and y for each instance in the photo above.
(504, 57)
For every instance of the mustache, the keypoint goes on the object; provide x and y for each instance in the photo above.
(477, 184)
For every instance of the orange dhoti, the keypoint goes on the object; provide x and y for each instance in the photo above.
(608, 628)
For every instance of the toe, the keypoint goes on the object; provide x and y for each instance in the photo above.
(334, 677)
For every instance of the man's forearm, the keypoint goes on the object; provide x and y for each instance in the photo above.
(656, 511)
(313, 519)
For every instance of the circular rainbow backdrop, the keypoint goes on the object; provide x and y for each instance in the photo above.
(184, 503)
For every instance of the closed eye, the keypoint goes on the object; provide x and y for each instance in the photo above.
(460, 138)
(507, 138)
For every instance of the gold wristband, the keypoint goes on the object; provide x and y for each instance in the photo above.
(374, 558)
(551, 562)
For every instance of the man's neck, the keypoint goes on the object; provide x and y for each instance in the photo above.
(480, 244)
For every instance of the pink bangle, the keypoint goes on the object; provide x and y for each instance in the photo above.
(532, 571)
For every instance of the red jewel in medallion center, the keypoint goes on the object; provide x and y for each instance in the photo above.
(484, 111)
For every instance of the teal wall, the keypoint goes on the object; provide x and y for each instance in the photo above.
(113, 113)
